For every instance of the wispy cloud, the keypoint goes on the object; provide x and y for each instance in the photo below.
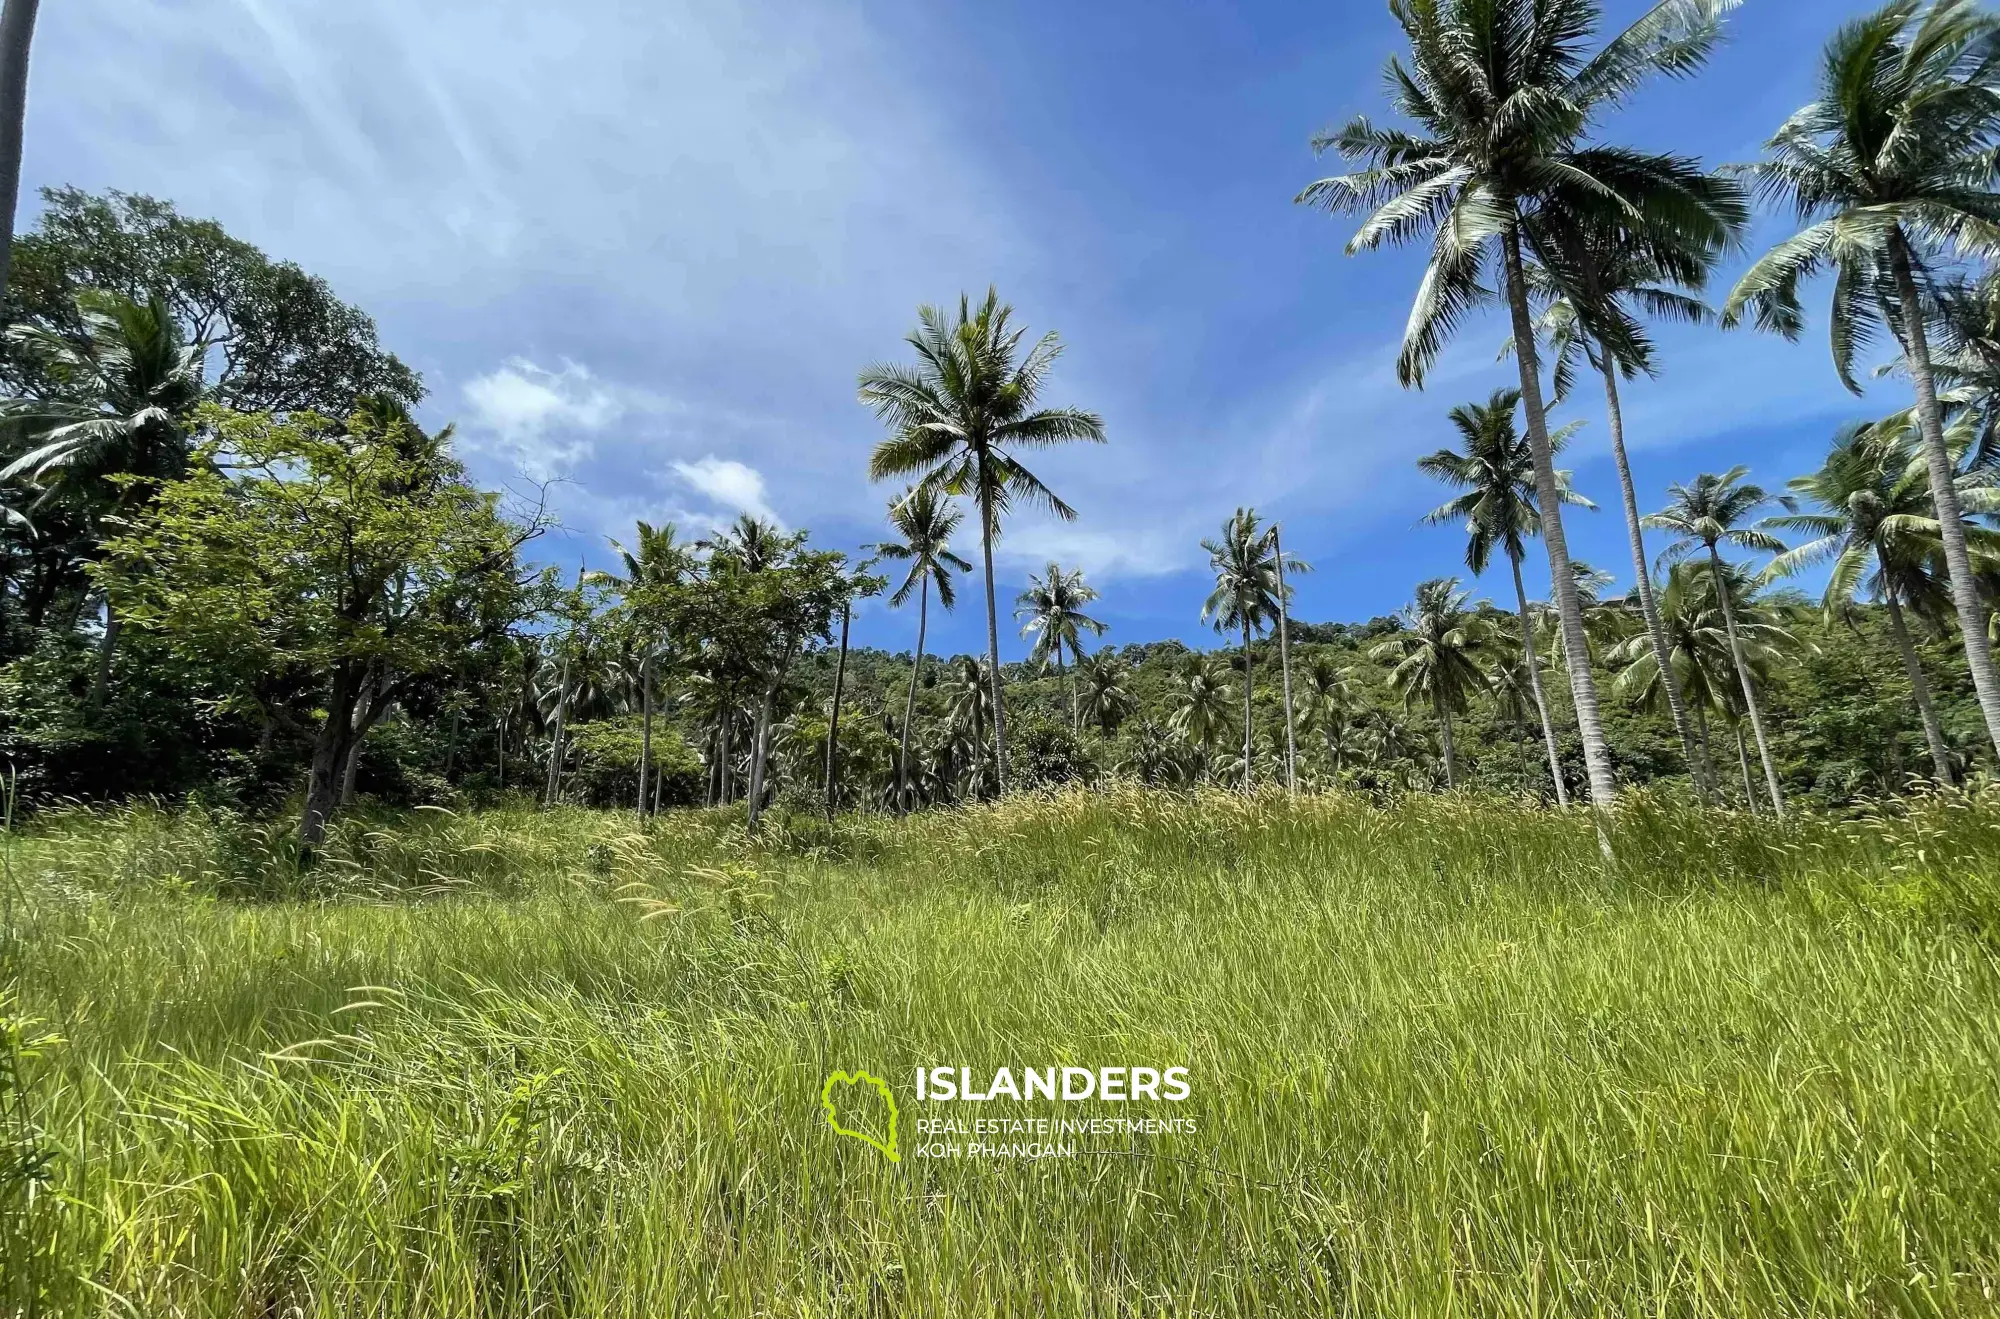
(730, 485)
(546, 421)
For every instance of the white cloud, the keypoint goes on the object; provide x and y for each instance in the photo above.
(729, 484)
(1102, 554)
(541, 419)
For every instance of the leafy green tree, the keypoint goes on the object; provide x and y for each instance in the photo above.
(125, 388)
(1245, 598)
(359, 555)
(1703, 517)
(1503, 99)
(1497, 473)
(959, 419)
(1437, 657)
(1877, 528)
(1891, 170)
(925, 521)
(279, 340)
(1053, 606)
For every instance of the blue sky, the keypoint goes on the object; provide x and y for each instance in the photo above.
(645, 247)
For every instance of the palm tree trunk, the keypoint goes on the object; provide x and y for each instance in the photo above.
(1450, 751)
(833, 719)
(1707, 749)
(1749, 688)
(1247, 710)
(993, 637)
(1699, 766)
(1285, 665)
(1576, 650)
(556, 733)
(1743, 763)
(500, 749)
(910, 704)
(112, 626)
(17, 33)
(1535, 682)
(1069, 679)
(1944, 493)
(645, 727)
(1920, 688)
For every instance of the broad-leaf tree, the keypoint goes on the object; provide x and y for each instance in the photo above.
(959, 419)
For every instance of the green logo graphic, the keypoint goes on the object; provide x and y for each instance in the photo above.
(827, 1105)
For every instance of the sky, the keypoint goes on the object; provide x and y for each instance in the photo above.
(642, 248)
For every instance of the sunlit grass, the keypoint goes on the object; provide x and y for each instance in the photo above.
(1445, 1061)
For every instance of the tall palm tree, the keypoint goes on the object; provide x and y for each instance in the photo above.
(1503, 99)
(1053, 607)
(1329, 709)
(1699, 650)
(1497, 473)
(1703, 517)
(17, 34)
(657, 564)
(1198, 699)
(1877, 526)
(959, 419)
(968, 691)
(1603, 288)
(1246, 596)
(926, 521)
(1436, 656)
(1107, 698)
(128, 386)
(1889, 169)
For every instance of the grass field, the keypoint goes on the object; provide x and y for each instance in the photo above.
(1444, 1061)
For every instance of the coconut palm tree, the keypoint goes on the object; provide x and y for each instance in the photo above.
(1436, 657)
(925, 520)
(128, 387)
(1497, 473)
(1198, 701)
(1890, 169)
(1329, 709)
(968, 692)
(1107, 698)
(1878, 529)
(657, 564)
(1703, 517)
(1503, 97)
(1053, 607)
(959, 419)
(1246, 596)
(1699, 651)
(17, 34)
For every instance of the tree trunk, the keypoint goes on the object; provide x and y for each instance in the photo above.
(1248, 711)
(556, 734)
(500, 749)
(1535, 683)
(645, 729)
(1576, 650)
(1450, 752)
(329, 760)
(1743, 763)
(1749, 687)
(1700, 769)
(1067, 676)
(1920, 688)
(17, 32)
(1944, 493)
(759, 732)
(1285, 665)
(112, 626)
(833, 720)
(910, 703)
(986, 530)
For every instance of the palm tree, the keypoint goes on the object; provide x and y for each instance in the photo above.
(751, 543)
(658, 564)
(1199, 700)
(1699, 653)
(127, 388)
(1503, 99)
(1246, 595)
(1107, 700)
(968, 693)
(1703, 517)
(1497, 473)
(1053, 607)
(1603, 288)
(1329, 709)
(926, 521)
(959, 418)
(1890, 168)
(1435, 656)
(1876, 520)
(17, 34)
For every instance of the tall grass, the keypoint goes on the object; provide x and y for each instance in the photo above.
(1444, 1060)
